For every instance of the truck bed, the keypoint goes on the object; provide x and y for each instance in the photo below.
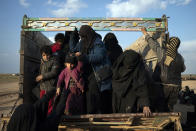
(117, 122)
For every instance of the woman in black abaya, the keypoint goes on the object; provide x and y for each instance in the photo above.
(33, 117)
(130, 85)
(114, 50)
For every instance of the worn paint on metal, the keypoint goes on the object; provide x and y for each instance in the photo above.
(34, 30)
(97, 23)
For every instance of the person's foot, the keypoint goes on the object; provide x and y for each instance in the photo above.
(66, 113)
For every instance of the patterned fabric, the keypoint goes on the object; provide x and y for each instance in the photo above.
(72, 83)
(171, 51)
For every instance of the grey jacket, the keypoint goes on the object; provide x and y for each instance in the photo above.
(49, 70)
(166, 74)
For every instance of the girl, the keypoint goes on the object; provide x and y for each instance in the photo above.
(71, 76)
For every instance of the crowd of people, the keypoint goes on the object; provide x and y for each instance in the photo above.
(91, 76)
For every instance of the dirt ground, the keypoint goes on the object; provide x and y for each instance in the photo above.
(190, 83)
(7, 78)
(8, 93)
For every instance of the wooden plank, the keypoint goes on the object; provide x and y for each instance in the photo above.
(119, 115)
(124, 127)
(98, 123)
(5, 119)
(157, 121)
(177, 124)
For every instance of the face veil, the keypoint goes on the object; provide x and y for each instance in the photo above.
(88, 36)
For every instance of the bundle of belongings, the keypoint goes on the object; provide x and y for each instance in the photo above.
(187, 107)
(187, 96)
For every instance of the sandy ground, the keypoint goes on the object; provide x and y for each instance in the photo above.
(8, 97)
(190, 83)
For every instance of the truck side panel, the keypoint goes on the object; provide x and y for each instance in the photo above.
(30, 56)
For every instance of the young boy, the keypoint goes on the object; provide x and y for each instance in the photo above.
(48, 73)
(71, 76)
(59, 40)
(58, 50)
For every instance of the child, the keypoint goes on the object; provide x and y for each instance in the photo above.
(71, 76)
(59, 39)
(49, 71)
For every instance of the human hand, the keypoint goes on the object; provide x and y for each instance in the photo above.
(77, 54)
(39, 78)
(143, 29)
(71, 54)
(58, 91)
(42, 61)
(146, 111)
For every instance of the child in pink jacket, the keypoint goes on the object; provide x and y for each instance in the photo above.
(71, 76)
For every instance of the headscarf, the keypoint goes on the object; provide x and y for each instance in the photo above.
(65, 45)
(113, 48)
(128, 70)
(110, 41)
(67, 37)
(71, 59)
(88, 36)
(171, 51)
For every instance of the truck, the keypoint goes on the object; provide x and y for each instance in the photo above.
(32, 39)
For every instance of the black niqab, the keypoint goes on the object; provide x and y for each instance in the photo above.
(88, 36)
(128, 72)
(114, 50)
(110, 41)
(129, 83)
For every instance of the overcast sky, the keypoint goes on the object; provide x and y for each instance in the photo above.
(181, 22)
